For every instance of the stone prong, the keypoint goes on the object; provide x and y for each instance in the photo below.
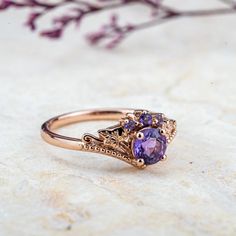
(164, 158)
(140, 163)
(140, 135)
(126, 121)
(162, 131)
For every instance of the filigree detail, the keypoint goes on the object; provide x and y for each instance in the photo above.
(116, 137)
(170, 129)
(117, 140)
(113, 137)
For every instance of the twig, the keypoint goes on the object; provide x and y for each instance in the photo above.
(112, 33)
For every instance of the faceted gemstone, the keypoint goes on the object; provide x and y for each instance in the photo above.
(146, 119)
(159, 118)
(130, 125)
(151, 148)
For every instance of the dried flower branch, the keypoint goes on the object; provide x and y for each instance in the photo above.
(112, 33)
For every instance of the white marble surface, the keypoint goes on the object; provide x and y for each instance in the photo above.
(186, 69)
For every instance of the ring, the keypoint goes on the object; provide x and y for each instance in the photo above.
(139, 138)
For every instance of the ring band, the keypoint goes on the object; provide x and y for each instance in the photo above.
(139, 138)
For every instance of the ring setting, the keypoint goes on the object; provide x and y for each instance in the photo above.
(139, 138)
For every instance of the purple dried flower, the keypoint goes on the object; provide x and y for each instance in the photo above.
(116, 40)
(31, 22)
(64, 20)
(95, 37)
(113, 20)
(112, 33)
(5, 4)
(53, 34)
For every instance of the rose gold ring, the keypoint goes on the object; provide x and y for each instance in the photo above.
(139, 138)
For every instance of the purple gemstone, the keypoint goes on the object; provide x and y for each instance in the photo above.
(159, 118)
(151, 148)
(130, 125)
(145, 119)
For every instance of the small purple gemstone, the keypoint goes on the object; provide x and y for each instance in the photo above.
(130, 125)
(145, 119)
(159, 118)
(151, 148)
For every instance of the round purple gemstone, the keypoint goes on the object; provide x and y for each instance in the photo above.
(130, 125)
(159, 118)
(151, 148)
(145, 119)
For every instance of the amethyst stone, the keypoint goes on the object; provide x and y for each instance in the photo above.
(146, 119)
(159, 118)
(130, 125)
(151, 148)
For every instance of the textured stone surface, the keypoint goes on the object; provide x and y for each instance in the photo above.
(185, 69)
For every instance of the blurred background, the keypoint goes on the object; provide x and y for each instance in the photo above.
(185, 68)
